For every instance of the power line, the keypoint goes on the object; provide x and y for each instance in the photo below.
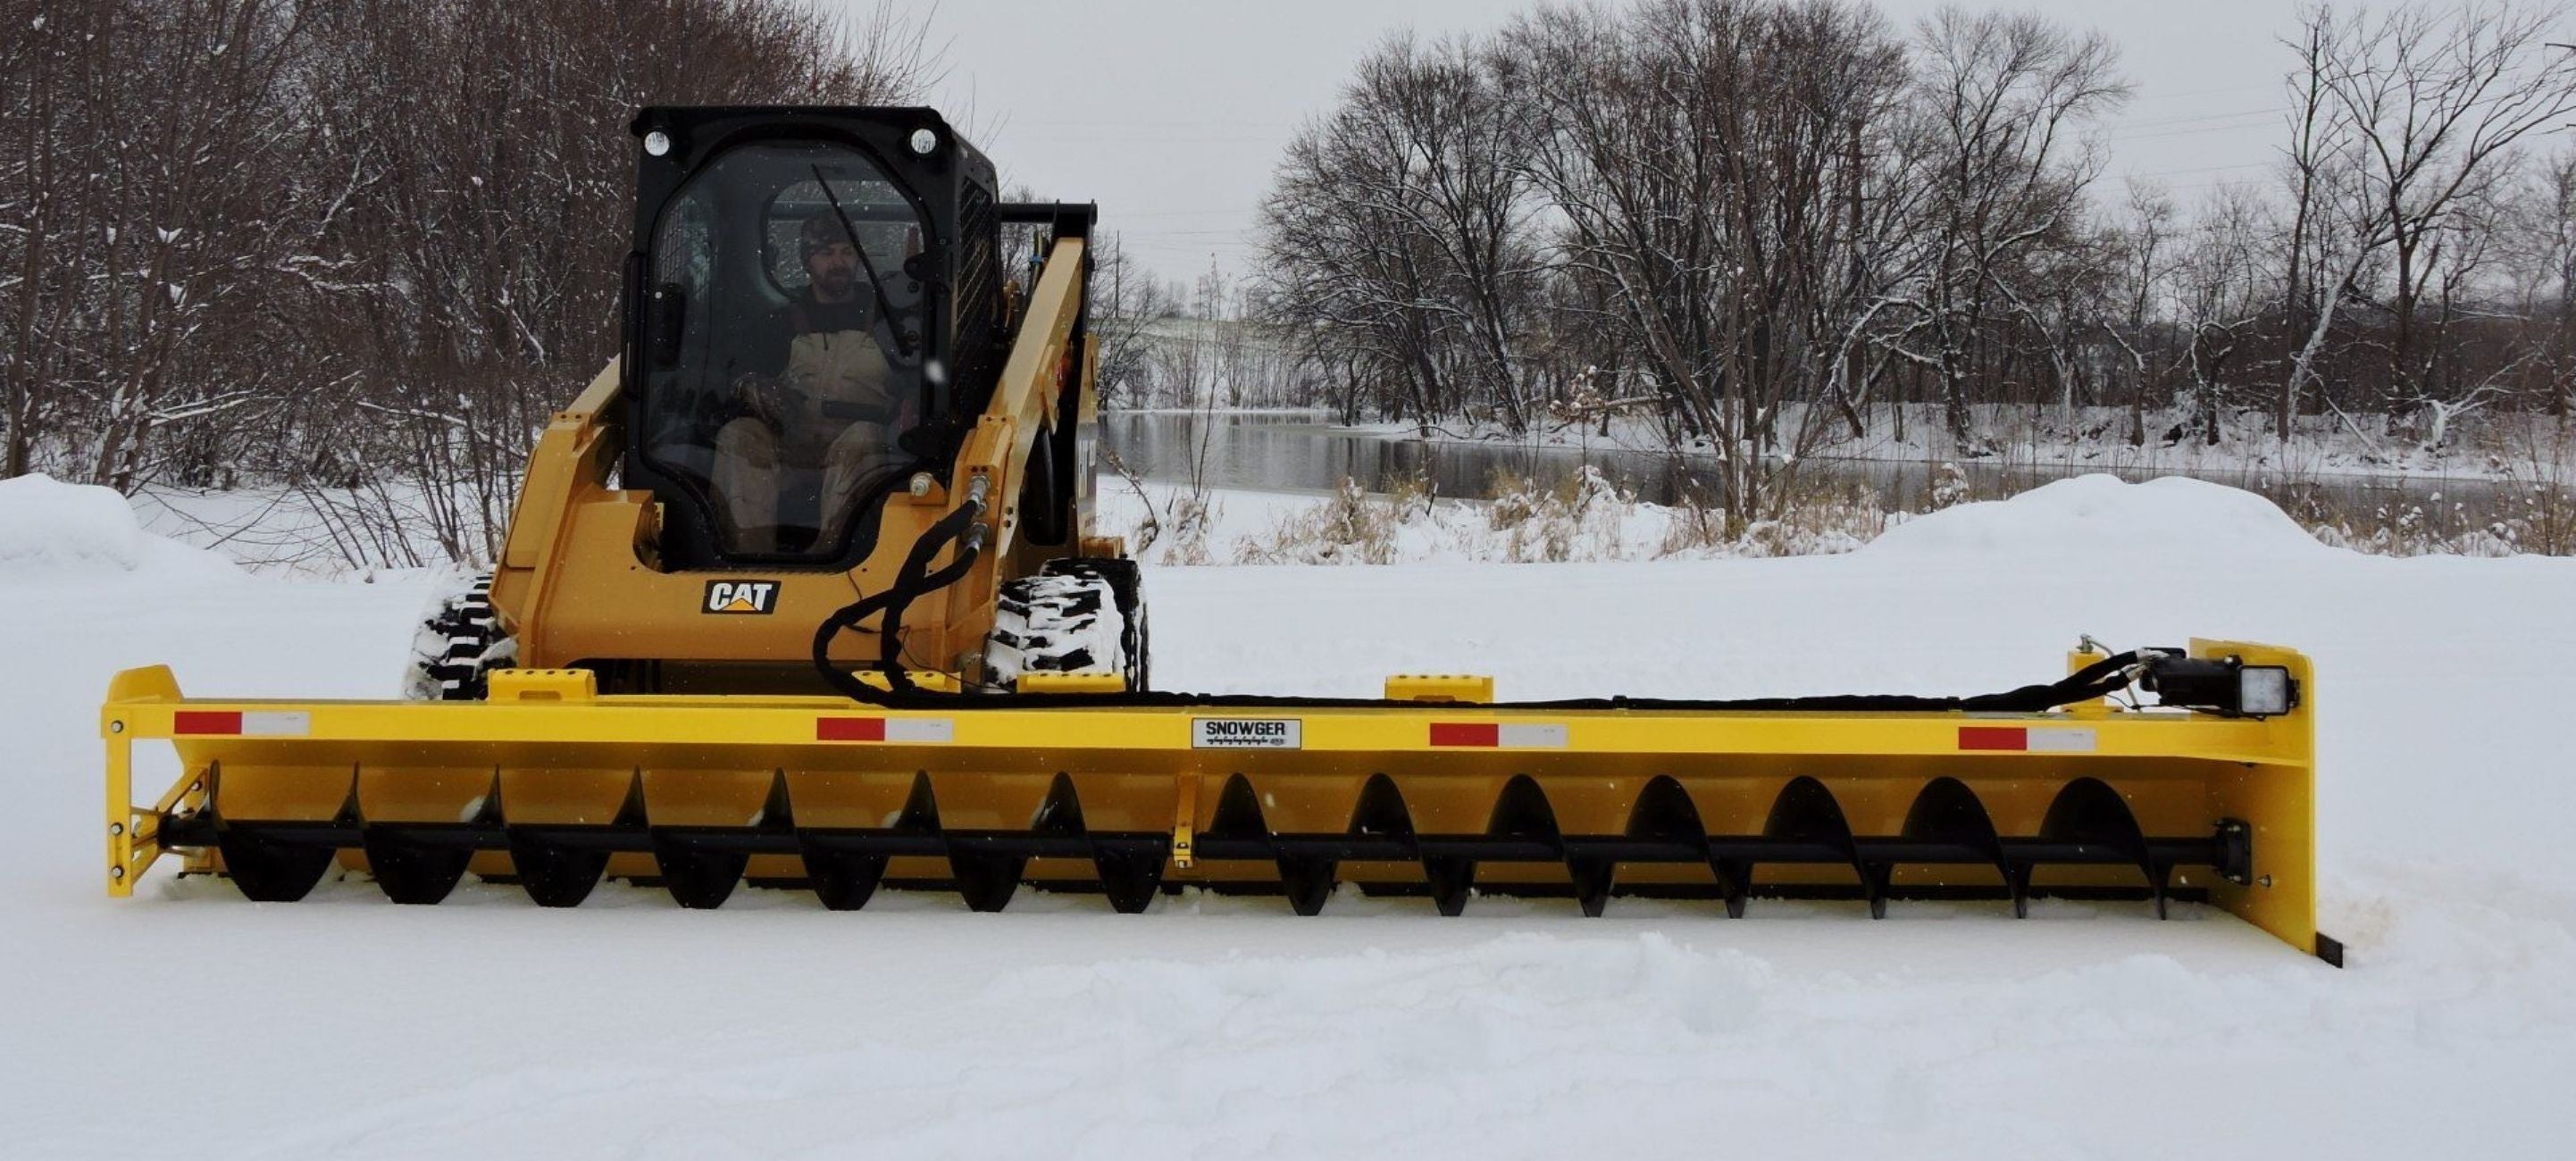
(2265, 111)
(2203, 92)
(2212, 130)
(1118, 124)
(2201, 169)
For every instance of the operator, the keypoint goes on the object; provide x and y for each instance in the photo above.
(826, 403)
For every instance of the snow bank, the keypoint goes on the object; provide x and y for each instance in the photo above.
(53, 530)
(2102, 515)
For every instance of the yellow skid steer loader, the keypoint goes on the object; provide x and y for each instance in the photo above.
(803, 591)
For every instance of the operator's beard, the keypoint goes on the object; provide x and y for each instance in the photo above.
(836, 287)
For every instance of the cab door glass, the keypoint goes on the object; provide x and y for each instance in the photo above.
(790, 360)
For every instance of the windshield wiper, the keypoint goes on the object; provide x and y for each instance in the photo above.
(903, 338)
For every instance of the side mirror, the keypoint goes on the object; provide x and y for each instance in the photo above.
(665, 316)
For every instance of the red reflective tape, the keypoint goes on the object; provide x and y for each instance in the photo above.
(206, 722)
(1993, 738)
(1466, 734)
(849, 729)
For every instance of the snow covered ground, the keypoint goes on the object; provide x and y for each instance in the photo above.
(188, 1019)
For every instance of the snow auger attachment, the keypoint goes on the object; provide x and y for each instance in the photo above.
(1434, 792)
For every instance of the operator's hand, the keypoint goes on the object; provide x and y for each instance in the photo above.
(763, 398)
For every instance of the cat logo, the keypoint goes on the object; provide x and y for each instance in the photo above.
(750, 596)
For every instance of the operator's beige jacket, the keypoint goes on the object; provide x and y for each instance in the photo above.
(831, 378)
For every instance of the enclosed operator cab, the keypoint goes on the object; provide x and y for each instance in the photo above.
(822, 345)
(815, 312)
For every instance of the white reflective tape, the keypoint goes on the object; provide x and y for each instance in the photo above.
(277, 723)
(2072, 741)
(1544, 737)
(921, 729)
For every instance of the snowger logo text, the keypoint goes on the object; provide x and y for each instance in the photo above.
(1247, 733)
(757, 596)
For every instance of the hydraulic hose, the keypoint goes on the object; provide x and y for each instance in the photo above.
(913, 580)
(964, 530)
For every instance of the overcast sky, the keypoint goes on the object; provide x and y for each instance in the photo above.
(1171, 113)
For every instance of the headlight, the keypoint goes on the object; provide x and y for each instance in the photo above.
(2228, 687)
(2263, 690)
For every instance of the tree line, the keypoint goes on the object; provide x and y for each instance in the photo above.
(1766, 226)
(365, 246)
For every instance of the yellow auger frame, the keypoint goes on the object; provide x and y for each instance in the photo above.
(702, 792)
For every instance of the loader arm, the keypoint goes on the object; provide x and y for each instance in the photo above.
(1045, 386)
(570, 466)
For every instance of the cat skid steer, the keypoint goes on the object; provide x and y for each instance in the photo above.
(803, 592)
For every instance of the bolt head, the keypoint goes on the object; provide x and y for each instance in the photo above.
(116, 829)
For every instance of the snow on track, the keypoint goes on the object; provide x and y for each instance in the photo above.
(345, 1025)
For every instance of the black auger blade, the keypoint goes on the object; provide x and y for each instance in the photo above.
(2088, 824)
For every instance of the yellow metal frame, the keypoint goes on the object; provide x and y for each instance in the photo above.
(708, 760)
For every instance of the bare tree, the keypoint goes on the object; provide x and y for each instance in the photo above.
(1126, 300)
(364, 245)
(1400, 223)
(2427, 107)
(2545, 279)
(1717, 166)
(1742, 216)
(2000, 102)
(151, 209)
(2221, 299)
(2137, 285)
